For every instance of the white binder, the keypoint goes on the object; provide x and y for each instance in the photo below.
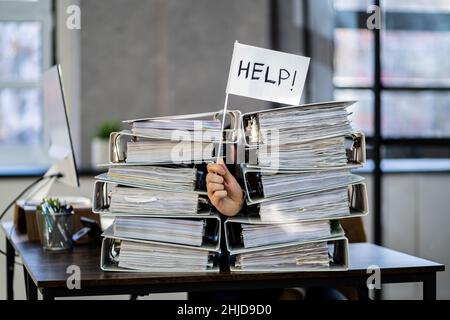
(338, 245)
(253, 184)
(108, 261)
(234, 121)
(355, 144)
(357, 203)
(235, 246)
(101, 201)
(247, 118)
(154, 186)
(212, 222)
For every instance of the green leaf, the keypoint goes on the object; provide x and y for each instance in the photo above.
(106, 128)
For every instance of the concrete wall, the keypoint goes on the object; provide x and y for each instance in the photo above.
(161, 57)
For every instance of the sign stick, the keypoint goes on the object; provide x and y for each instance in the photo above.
(219, 152)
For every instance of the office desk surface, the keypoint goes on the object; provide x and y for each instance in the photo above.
(48, 270)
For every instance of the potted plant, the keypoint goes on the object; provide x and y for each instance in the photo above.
(100, 143)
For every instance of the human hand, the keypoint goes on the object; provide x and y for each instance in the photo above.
(224, 191)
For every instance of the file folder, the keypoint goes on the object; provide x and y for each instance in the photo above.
(357, 207)
(198, 187)
(212, 232)
(253, 132)
(355, 153)
(119, 142)
(109, 254)
(235, 243)
(232, 121)
(254, 187)
(338, 250)
(101, 201)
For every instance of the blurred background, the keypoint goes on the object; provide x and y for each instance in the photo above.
(140, 58)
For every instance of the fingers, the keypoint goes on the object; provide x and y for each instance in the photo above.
(224, 166)
(220, 169)
(217, 196)
(217, 169)
(227, 174)
(214, 178)
(213, 187)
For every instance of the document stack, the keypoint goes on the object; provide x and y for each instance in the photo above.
(298, 185)
(155, 193)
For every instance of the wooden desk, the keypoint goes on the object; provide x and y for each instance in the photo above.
(46, 271)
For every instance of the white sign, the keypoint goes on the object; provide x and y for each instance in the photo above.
(267, 74)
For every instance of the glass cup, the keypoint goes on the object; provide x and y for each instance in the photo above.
(55, 230)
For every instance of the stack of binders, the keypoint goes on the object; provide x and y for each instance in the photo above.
(297, 179)
(154, 193)
(298, 185)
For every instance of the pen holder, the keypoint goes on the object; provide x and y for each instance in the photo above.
(55, 230)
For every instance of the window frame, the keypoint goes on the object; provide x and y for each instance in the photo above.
(378, 87)
(377, 141)
(26, 159)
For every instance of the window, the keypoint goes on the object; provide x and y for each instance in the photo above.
(414, 75)
(400, 76)
(25, 51)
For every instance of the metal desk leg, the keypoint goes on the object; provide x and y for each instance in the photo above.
(429, 287)
(10, 258)
(30, 289)
(46, 295)
(25, 280)
(363, 293)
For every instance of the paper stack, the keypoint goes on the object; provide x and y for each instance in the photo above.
(320, 205)
(163, 220)
(181, 231)
(166, 178)
(305, 123)
(297, 178)
(154, 244)
(206, 130)
(160, 258)
(257, 235)
(298, 184)
(306, 256)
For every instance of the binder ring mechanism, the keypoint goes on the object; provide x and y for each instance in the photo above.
(357, 154)
(231, 133)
